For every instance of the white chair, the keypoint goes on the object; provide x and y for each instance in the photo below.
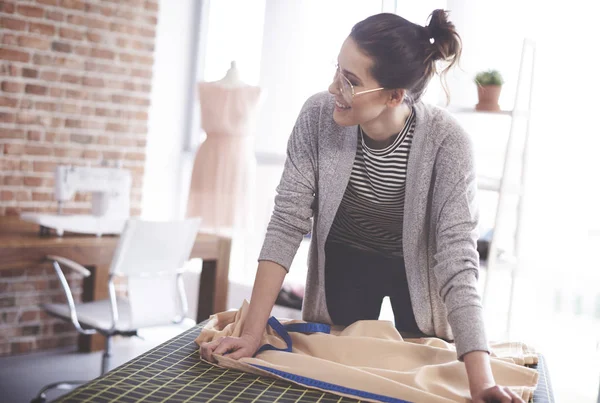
(150, 255)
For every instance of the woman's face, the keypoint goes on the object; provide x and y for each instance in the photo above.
(355, 66)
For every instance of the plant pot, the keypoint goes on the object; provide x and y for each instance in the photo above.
(488, 98)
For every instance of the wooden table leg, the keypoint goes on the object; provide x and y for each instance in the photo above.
(214, 283)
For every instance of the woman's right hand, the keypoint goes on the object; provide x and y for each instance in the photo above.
(234, 347)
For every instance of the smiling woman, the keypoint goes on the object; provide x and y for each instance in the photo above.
(389, 186)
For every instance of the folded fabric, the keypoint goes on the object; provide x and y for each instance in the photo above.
(367, 360)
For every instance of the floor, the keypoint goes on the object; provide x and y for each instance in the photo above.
(22, 376)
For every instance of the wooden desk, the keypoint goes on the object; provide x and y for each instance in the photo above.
(21, 247)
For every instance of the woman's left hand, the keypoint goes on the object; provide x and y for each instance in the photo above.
(499, 394)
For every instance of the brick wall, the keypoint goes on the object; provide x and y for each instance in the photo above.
(75, 79)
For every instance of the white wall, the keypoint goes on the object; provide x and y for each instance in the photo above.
(172, 83)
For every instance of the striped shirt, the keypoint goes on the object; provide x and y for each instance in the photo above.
(371, 212)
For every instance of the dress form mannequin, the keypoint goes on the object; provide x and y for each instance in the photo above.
(232, 77)
(223, 177)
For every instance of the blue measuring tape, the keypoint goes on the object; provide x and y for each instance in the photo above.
(283, 332)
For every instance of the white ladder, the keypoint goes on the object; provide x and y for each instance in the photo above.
(504, 187)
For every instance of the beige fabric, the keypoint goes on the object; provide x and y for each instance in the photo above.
(372, 356)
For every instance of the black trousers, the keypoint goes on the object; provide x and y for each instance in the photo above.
(356, 282)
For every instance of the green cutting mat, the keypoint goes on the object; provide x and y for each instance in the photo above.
(173, 372)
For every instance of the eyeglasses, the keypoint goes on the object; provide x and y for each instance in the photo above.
(346, 88)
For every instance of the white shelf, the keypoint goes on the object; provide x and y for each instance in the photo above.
(472, 110)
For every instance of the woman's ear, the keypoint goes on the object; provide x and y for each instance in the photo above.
(396, 97)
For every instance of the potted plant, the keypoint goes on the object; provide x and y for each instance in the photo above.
(489, 84)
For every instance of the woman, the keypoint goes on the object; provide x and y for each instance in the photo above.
(390, 185)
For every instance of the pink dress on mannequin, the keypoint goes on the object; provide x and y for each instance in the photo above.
(224, 168)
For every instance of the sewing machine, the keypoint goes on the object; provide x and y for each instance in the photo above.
(110, 188)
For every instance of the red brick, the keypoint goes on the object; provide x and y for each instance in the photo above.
(33, 181)
(117, 127)
(37, 150)
(7, 117)
(57, 122)
(53, 137)
(28, 118)
(95, 37)
(44, 60)
(7, 7)
(9, 102)
(13, 55)
(97, 24)
(102, 54)
(82, 50)
(21, 347)
(12, 24)
(93, 82)
(112, 155)
(151, 6)
(87, 111)
(30, 315)
(35, 43)
(61, 47)
(13, 149)
(91, 154)
(23, 195)
(103, 140)
(108, 112)
(10, 180)
(127, 57)
(141, 73)
(9, 39)
(72, 94)
(49, 75)
(36, 89)
(29, 73)
(6, 195)
(30, 11)
(44, 166)
(25, 166)
(46, 106)
(82, 138)
(70, 62)
(68, 152)
(76, 19)
(11, 133)
(100, 96)
(39, 196)
(69, 108)
(41, 28)
(56, 92)
(11, 86)
(73, 4)
(70, 78)
(48, 2)
(147, 32)
(55, 15)
(116, 27)
(71, 34)
(73, 123)
(8, 165)
(34, 135)
(49, 343)
(96, 9)
(125, 142)
(139, 45)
